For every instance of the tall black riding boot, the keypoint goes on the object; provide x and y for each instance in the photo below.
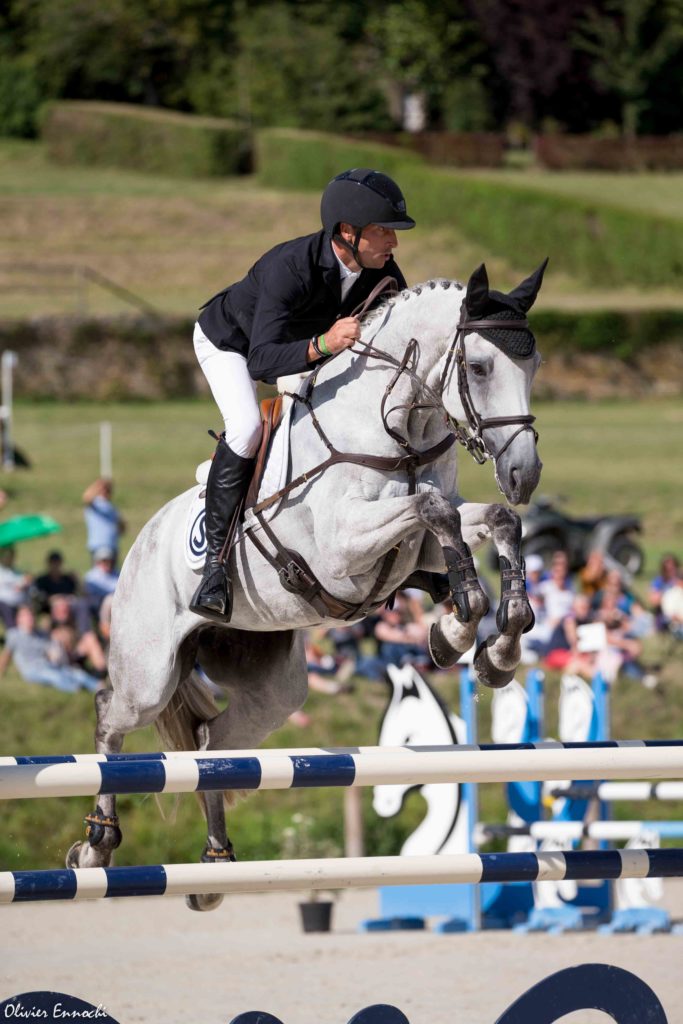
(227, 484)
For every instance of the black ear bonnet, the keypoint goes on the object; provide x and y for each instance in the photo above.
(483, 303)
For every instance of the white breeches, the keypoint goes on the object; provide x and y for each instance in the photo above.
(234, 392)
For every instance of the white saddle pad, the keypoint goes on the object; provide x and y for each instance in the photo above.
(274, 479)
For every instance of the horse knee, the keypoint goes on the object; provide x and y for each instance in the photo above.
(504, 522)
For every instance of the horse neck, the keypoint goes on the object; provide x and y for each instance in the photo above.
(423, 315)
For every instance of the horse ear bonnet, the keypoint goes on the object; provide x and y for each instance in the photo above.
(482, 303)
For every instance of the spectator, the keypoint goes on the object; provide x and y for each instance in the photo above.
(40, 659)
(556, 592)
(626, 623)
(401, 634)
(562, 647)
(13, 586)
(71, 626)
(103, 520)
(672, 608)
(101, 580)
(55, 580)
(668, 576)
(593, 576)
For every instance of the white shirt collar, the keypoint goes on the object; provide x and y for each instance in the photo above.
(348, 277)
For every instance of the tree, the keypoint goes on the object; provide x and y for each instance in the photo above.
(530, 43)
(295, 67)
(629, 43)
(432, 55)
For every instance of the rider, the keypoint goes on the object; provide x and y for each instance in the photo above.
(290, 312)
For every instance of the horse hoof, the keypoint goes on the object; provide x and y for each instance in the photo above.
(442, 653)
(486, 672)
(207, 902)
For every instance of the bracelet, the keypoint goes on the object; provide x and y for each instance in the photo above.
(316, 346)
(323, 346)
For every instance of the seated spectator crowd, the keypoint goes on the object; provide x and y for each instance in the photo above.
(585, 623)
(593, 622)
(57, 629)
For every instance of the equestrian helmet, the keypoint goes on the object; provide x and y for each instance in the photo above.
(362, 196)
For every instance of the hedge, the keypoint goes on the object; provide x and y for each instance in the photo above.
(605, 245)
(144, 139)
(586, 152)
(146, 358)
(452, 149)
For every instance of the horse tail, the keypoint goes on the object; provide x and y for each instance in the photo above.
(190, 706)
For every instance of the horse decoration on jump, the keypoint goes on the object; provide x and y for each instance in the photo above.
(372, 499)
(416, 716)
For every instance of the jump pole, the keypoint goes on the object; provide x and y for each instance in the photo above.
(648, 759)
(572, 831)
(334, 873)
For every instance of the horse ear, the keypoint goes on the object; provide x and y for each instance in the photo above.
(477, 297)
(525, 293)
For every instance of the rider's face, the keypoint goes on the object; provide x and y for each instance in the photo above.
(375, 245)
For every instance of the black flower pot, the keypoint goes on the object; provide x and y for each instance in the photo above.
(316, 916)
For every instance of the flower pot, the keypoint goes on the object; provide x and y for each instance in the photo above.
(316, 916)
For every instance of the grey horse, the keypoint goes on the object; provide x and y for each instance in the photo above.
(434, 363)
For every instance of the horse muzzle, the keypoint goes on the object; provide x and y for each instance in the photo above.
(518, 472)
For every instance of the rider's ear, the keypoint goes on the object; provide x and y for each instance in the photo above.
(526, 292)
(477, 297)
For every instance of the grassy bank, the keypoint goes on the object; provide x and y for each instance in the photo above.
(177, 243)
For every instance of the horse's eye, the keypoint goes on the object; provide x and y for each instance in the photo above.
(478, 369)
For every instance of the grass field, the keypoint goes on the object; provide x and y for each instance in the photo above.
(175, 242)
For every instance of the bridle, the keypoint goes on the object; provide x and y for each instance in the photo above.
(472, 436)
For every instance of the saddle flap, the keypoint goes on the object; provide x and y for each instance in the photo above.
(271, 414)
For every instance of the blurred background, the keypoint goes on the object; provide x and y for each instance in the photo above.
(151, 150)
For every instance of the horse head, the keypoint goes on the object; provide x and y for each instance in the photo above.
(486, 377)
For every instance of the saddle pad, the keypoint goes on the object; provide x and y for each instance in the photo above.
(274, 478)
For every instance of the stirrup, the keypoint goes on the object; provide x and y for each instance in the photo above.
(213, 600)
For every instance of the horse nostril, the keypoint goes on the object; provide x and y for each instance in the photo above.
(514, 478)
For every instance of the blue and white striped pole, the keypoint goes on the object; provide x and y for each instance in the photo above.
(335, 873)
(627, 759)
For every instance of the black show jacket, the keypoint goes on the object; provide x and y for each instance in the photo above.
(291, 294)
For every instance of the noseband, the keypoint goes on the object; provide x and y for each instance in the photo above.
(472, 438)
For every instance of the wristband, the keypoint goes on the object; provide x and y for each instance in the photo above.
(323, 346)
(316, 346)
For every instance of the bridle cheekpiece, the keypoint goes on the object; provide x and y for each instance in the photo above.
(472, 436)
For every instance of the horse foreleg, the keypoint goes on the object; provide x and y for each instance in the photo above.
(102, 825)
(370, 529)
(498, 657)
(453, 634)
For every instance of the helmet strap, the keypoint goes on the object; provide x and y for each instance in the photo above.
(351, 246)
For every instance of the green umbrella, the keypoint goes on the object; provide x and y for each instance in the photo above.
(25, 527)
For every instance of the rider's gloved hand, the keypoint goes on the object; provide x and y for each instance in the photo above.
(342, 334)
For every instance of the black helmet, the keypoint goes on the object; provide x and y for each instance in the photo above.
(362, 196)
